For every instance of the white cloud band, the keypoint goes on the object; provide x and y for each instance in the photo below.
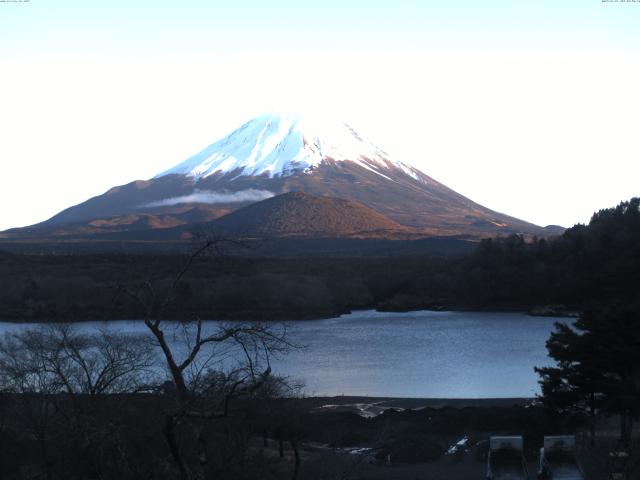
(213, 197)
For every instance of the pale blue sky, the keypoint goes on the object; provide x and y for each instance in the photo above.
(159, 28)
(529, 107)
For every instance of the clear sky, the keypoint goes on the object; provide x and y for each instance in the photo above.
(529, 107)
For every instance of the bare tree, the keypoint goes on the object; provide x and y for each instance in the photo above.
(55, 376)
(66, 387)
(60, 359)
(208, 367)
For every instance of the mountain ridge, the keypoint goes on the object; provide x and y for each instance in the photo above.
(273, 155)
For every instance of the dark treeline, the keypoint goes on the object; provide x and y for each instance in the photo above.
(588, 263)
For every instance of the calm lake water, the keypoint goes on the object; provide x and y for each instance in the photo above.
(415, 354)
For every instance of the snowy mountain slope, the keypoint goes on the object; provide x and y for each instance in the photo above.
(274, 154)
(282, 145)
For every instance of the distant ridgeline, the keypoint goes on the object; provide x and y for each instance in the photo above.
(598, 262)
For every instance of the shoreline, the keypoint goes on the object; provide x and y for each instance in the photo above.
(373, 406)
(534, 312)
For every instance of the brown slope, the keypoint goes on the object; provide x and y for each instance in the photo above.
(299, 214)
(414, 200)
(124, 199)
(157, 219)
(422, 203)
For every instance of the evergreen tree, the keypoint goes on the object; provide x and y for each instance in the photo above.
(598, 365)
(575, 384)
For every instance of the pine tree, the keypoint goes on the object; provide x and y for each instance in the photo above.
(598, 365)
(575, 384)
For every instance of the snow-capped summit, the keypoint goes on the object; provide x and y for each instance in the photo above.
(279, 145)
(275, 154)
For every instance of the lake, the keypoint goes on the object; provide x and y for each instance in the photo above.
(414, 354)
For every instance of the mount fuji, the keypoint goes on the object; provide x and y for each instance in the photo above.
(283, 145)
(271, 155)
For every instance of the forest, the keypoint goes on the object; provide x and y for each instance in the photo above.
(588, 263)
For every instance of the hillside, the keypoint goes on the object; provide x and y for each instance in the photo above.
(303, 215)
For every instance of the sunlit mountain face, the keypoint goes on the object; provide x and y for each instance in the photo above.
(274, 154)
